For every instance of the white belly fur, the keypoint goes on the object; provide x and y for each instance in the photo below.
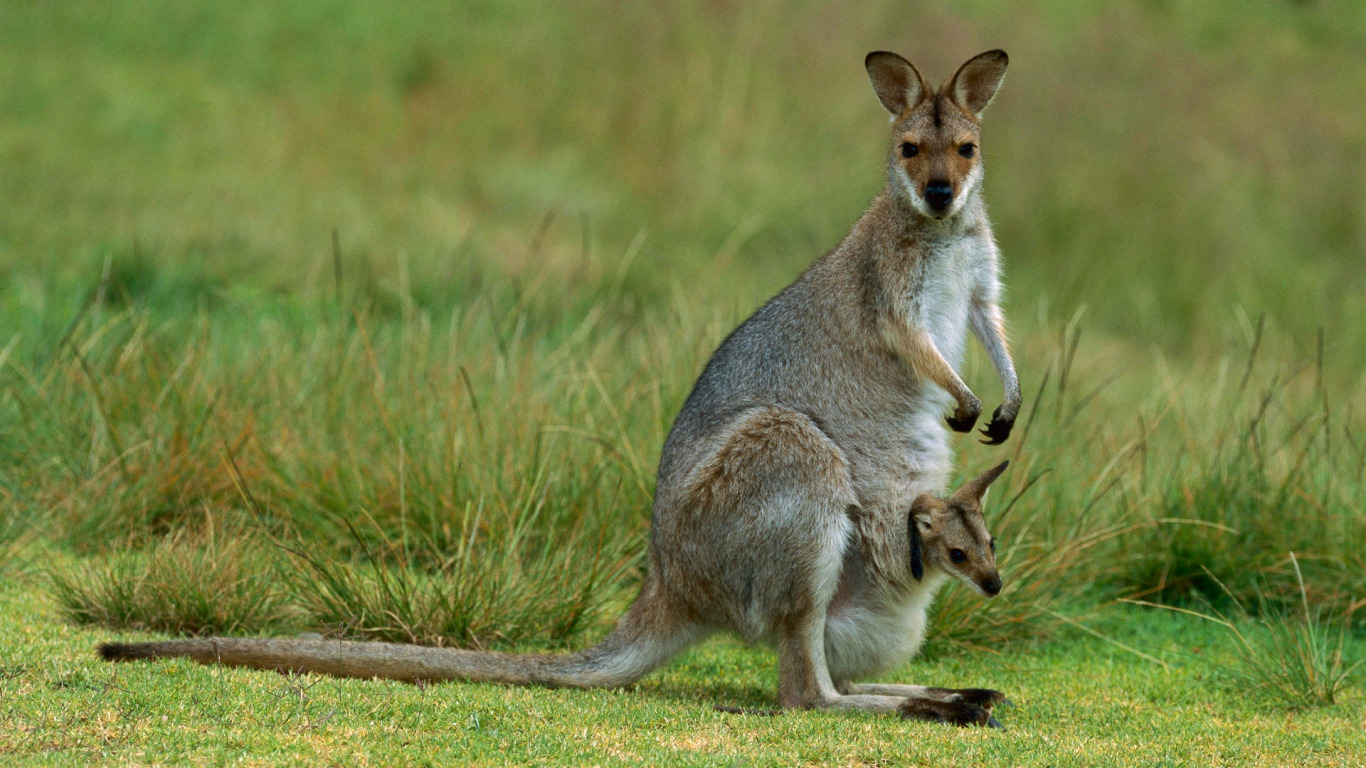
(863, 640)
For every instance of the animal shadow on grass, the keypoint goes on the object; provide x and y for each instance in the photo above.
(735, 698)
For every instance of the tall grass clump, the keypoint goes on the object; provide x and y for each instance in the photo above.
(1235, 494)
(215, 580)
(485, 479)
(481, 593)
(1294, 657)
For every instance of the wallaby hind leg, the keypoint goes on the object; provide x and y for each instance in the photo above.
(804, 679)
(761, 536)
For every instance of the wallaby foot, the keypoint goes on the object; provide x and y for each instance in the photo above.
(861, 702)
(968, 706)
(961, 706)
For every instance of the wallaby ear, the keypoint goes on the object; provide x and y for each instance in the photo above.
(897, 82)
(975, 83)
(977, 487)
(921, 510)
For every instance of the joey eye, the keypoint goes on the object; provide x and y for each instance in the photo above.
(967, 150)
(909, 150)
(957, 555)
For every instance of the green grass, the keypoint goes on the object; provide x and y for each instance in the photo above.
(373, 320)
(1297, 657)
(1079, 701)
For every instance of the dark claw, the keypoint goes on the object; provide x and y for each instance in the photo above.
(961, 425)
(998, 430)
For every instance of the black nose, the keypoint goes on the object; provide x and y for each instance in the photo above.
(938, 194)
(992, 587)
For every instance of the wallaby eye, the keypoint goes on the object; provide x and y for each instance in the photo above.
(967, 149)
(909, 150)
(992, 543)
(957, 555)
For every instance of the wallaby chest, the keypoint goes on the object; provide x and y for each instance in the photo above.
(939, 291)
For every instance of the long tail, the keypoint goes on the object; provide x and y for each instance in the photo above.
(642, 640)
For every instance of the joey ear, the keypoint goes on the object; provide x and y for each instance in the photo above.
(976, 488)
(897, 83)
(976, 82)
(920, 513)
(923, 508)
(917, 548)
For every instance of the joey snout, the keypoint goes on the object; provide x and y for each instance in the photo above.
(991, 585)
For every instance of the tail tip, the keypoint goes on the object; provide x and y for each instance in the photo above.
(115, 651)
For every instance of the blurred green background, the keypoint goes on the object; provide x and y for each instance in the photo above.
(1174, 167)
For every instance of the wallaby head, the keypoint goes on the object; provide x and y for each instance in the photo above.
(936, 162)
(951, 535)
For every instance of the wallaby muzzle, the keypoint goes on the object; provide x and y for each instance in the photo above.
(938, 194)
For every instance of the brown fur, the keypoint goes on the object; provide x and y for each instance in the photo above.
(800, 496)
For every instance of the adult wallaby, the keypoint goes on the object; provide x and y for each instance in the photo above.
(795, 501)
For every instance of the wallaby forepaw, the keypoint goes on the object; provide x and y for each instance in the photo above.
(999, 429)
(961, 425)
(964, 419)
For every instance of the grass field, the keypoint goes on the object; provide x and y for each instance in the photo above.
(1121, 709)
(374, 320)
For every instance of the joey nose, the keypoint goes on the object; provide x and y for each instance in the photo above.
(938, 194)
(992, 586)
